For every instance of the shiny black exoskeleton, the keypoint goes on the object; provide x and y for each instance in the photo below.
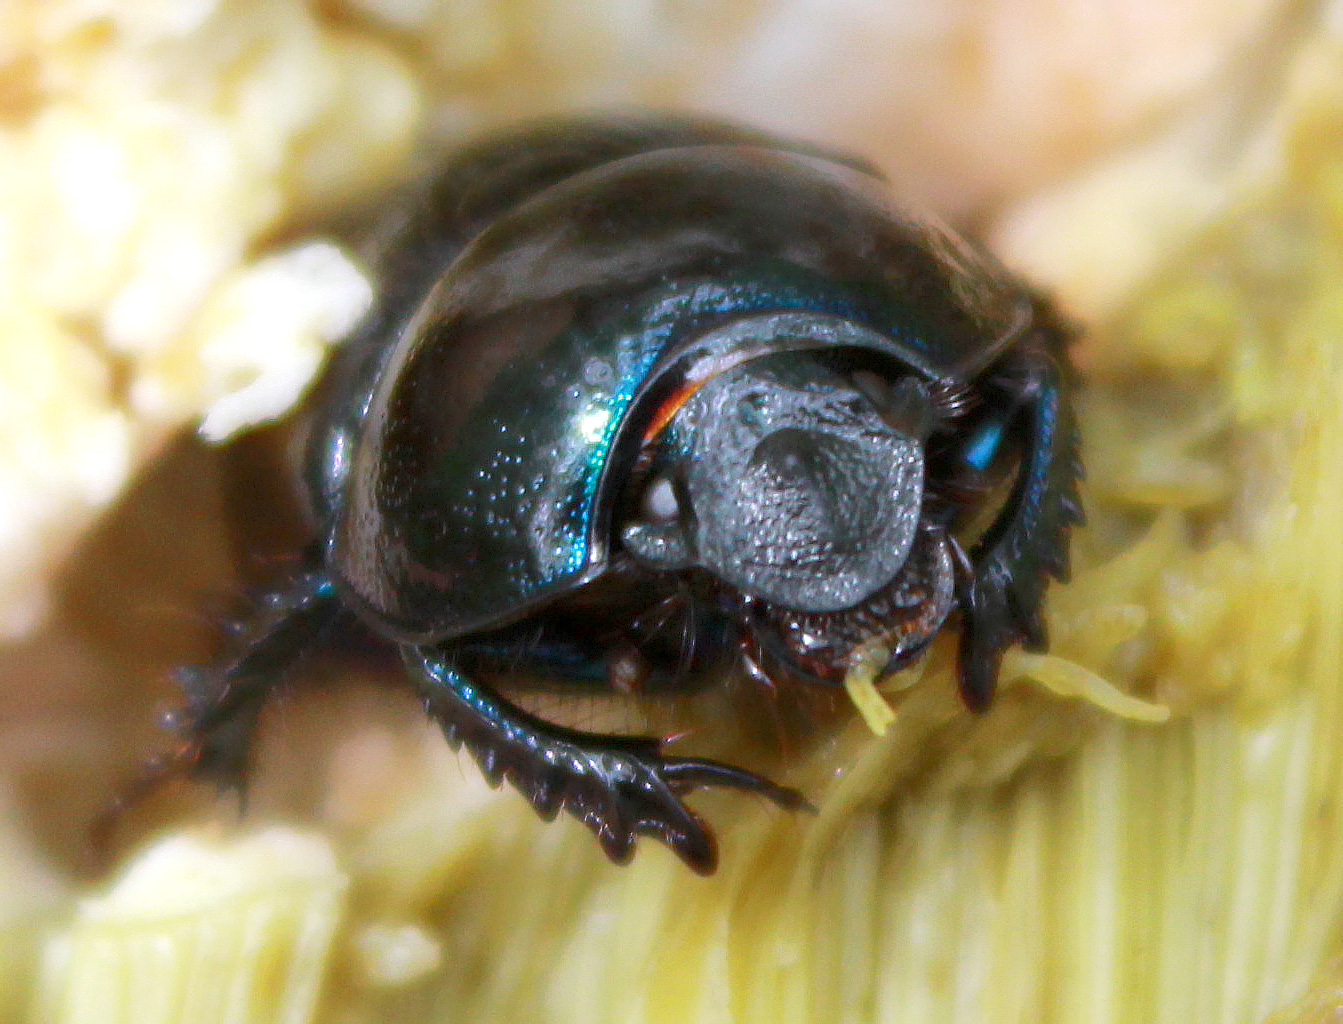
(641, 394)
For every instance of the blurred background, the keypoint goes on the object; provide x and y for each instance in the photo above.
(183, 189)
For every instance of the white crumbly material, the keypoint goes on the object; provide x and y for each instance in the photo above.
(309, 295)
(164, 140)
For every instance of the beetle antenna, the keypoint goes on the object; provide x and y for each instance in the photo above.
(952, 399)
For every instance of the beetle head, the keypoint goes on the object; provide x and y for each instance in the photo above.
(791, 482)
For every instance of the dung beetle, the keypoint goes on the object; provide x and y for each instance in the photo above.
(646, 397)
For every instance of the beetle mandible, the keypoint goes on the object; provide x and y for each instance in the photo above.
(629, 381)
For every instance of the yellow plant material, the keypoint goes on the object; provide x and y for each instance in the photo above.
(1069, 679)
(1163, 850)
(860, 684)
(201, 931)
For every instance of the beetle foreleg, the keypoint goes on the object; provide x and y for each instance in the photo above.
(1002, 593)
(619, 786)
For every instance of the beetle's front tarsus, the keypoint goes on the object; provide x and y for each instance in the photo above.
(621, 787)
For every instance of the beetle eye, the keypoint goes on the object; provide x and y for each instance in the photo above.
(659, 504)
